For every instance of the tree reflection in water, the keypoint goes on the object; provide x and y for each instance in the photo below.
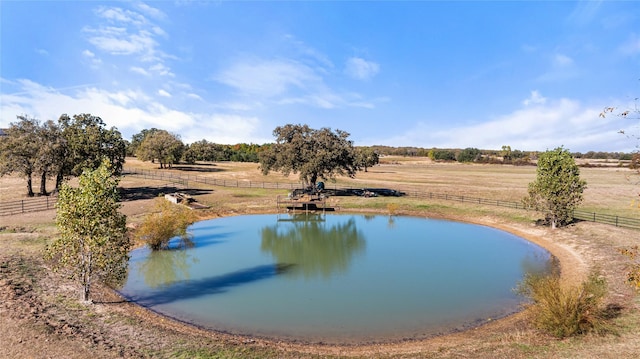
(164, 267)
(315, 248)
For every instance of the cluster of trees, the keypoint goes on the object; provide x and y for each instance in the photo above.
(59, 149)
(504, 155)
(168, 149)
(470, 154)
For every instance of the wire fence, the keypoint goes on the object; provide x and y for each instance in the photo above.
(46, 203)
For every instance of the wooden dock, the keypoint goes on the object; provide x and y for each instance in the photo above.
(305, 203)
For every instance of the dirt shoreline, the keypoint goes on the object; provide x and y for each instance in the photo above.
(572, 268)
(566, 245)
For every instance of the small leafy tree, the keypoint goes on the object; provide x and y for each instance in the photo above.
(366, 157)
(557, 190)
(312, 153)
(93, 242)
(168, 220)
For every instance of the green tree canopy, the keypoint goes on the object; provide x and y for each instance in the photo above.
(557, 190)
(88, 142)
(19, 149)
(468, 155)
(93, 242)
(312, 153)
(161, 146)
(366, 157)
(137, 139)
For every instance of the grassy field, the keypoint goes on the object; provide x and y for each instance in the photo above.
(42, 317)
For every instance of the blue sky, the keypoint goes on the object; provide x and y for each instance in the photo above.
(532, 75)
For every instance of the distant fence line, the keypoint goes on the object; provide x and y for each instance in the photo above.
(45, 203)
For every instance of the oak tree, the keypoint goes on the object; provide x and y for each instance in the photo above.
(312, 153)
(88, 141)
(161, 146)
(19, 149)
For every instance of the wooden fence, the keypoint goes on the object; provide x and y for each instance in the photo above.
(28, 205)
(45, 203)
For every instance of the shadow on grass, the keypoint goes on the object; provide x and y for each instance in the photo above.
(209, 168)
(138, 193)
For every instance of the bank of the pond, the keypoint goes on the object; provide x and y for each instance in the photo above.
(336, 278)
(573, 270)
(48, 319)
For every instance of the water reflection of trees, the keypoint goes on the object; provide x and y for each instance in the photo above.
(162, 268)
(315, 248)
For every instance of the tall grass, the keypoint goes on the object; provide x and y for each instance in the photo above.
(566, 311)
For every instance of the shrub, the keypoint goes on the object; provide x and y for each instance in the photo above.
(633, 274)
(468, 155)
(167, 221)
(566, 311)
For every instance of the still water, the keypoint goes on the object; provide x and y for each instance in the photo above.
(336, 278)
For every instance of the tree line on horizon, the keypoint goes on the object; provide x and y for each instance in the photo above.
(63, 149)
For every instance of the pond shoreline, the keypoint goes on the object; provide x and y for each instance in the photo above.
(572, 269)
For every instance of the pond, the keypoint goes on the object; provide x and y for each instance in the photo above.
(338, 278)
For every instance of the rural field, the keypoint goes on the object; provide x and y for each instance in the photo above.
(42, 315)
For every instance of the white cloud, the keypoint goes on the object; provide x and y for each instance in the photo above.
(309, 53)
(561, 60)
(267, 78)
(151, 11)
(128, 33)
(92, 59)
(130, 111)
(224, 128)
(562, 68)
(361, 69)
(552, 123)
(164, 93)
(286, 82)
(161, 70)
(534, 99)
(194, 96)
(119, 41)
(139, 70)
